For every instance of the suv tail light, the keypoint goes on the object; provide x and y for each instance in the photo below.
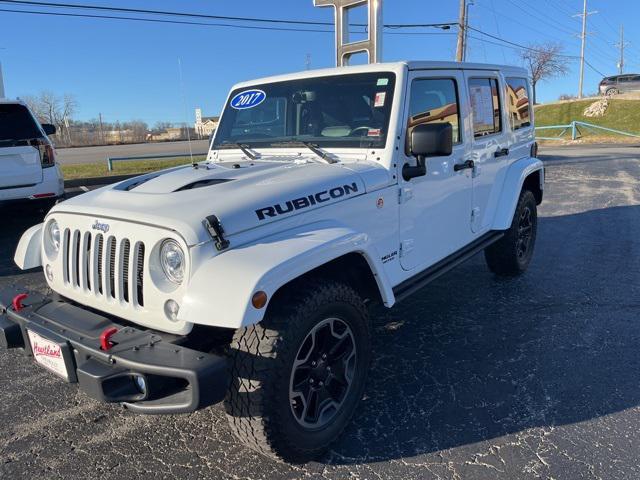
(47, 156)
(534, 150)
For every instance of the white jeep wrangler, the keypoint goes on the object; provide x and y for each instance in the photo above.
(246, 278)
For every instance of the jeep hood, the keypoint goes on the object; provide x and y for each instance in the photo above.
(242, 195)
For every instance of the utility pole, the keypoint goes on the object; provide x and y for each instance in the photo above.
(1, 83)
(466, 30)
(101, 128)
(583, 36)
(462, 31)
(621, 46)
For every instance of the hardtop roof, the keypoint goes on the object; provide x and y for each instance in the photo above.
(389, 66)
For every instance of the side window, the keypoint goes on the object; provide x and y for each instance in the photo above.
(435, 100)
(518, 103)
(485, 106)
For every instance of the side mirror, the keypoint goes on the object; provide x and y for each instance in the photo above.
(428, 140)
(49, 129)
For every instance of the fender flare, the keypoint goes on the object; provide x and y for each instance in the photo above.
(28, 252)
(513, 182)
(220, 290)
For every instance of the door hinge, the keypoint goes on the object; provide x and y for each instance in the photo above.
(475, 214)
(406, 247)
(405, 194)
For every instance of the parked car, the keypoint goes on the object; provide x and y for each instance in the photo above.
(28, 168)
(629, 82)
(247, 278)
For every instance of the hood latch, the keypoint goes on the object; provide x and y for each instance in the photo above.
(213, 226)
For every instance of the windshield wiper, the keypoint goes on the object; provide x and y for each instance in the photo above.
(245, 149)
(311, 146)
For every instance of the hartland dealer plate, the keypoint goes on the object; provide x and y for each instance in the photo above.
(48, 354)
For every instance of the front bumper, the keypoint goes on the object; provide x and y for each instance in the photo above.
(144, 370)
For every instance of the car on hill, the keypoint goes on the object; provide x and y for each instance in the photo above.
(620, 84)
(247, 278)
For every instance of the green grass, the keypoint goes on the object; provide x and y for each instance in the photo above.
(88, 170)
(621, 115)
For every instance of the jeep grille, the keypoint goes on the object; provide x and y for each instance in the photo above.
(104, 265)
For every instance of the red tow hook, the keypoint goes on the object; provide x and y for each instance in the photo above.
(17, 301)
(105, 342)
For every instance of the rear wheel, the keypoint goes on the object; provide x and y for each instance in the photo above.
(298, 375)
(512, 254)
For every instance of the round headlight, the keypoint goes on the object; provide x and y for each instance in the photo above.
(53, 234)
(172, 261)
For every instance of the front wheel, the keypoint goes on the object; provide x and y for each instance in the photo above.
(298, 375)
(512, 254)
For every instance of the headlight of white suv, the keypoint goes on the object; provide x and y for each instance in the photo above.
(172, 261)
(53, 235)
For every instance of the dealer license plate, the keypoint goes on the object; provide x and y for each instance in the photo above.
(48, 354)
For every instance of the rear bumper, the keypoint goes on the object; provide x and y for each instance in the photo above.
(145, 371)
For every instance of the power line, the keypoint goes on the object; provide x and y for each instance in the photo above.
(158, 20)
(444, 25)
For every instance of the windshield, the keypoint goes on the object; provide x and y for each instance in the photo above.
(338, 111)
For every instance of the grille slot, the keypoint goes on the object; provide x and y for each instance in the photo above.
(111, 282)
(126, 247)
(140, 273)
(106, 266)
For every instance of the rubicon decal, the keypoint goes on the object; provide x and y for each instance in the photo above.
(307, 201)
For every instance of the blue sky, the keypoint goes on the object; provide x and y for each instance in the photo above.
(129, 70)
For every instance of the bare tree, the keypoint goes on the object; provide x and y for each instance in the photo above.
(54, 109)
(544, 61)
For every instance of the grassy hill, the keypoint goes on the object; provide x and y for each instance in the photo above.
(621, 115)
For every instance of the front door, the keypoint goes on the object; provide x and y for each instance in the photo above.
(435, 209)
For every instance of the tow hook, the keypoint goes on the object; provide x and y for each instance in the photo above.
(17, 301)
(105, 338)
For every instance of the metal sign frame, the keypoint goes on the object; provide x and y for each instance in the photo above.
(345, 49)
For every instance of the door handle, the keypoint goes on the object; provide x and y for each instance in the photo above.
(502, 152)
(462, 166)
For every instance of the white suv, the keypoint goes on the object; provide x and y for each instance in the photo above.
(28, 169)
(247, 277)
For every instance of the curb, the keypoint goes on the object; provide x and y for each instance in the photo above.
(82, 182)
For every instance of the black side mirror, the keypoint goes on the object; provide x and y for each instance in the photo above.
(428, 140)
(49, 129)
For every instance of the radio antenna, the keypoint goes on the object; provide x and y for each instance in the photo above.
(184, 104)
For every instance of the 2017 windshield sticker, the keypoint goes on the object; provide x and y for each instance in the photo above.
(248, 99)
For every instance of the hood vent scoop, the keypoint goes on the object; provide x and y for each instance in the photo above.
(203, 183)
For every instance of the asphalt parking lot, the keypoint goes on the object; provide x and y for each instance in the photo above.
(473, 377)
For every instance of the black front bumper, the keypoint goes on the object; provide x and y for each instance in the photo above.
(145, 371)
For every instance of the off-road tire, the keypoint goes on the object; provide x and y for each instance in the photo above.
(258, 403)
(505, 257)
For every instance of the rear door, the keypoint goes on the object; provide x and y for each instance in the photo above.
(491, 144)
(635, 83)
(19, 159)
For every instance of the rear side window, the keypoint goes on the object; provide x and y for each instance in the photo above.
(435, 100)
(485, 106)
(16, 124)
(518, 103)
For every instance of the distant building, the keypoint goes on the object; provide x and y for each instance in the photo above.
(171, 134)
(205, 126)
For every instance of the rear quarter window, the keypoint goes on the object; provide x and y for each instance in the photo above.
(518, 103)
(17, 124)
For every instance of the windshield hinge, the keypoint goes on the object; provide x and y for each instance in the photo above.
(213, 226)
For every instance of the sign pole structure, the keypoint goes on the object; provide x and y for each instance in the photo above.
(372, 46)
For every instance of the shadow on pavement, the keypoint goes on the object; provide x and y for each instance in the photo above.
(472, 357)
